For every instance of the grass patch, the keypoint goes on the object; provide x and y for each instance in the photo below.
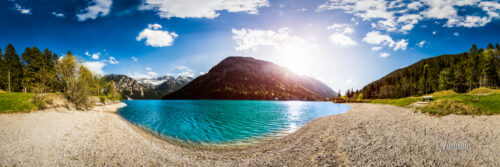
(483, 90)
(449, 102)
(444, 93)
(448, 106)
(397, 102)
(16, 102)
(464, 104)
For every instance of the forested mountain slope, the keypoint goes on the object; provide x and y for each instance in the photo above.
(459, 72)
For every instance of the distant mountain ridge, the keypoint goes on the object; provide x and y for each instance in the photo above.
(249, 78)
(147, 88)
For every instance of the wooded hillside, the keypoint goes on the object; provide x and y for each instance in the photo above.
(458, 72)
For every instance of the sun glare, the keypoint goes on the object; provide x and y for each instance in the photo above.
(297, 60)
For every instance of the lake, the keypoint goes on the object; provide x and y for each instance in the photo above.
(224, 121)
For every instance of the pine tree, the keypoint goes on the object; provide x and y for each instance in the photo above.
(34, 70)
(12, 69)
(2, 82)
(489, 75)
(28, 78)
(55, 85)
(445, 79)
(471, 67)
(339, 94)
(490, 46)
(48, 70)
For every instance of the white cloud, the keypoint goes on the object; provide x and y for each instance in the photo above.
(456, 34)
(302, 9)
(340, 36)
(491, 8)
(474, 21)
(151, 73)
(137, 75)
(155, 37)
(21, 9)
(348, 30)
(96, 9)
(154, 26)
(384, 55)
(281, 40)
(201, 8)
(148, 69)
(135, 59)
(94, 56)
(113, 60)
(434, 32)
(183, 71)
(183, 68)
(401, 44)
(341, 39)
(374, 37)
(421, 44)
(377, 48)
(348, 81)
(403, 15)
(95, 67)
(337, 26)
(186, 73)
(56, 14)
(415, 5)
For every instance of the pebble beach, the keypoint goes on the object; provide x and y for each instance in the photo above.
(367, 135)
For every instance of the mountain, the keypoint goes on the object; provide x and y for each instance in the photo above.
(147, 88)
(459, 72)
(249, 78)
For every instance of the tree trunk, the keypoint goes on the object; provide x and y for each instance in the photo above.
(9, 80)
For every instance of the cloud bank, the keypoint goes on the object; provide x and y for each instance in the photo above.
(201, 8)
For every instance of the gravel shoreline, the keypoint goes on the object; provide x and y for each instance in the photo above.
(367, 135)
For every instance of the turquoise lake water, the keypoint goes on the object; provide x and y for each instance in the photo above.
(224, 121)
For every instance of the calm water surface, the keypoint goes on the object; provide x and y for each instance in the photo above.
(224, 121)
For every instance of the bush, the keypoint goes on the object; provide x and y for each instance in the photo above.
(42, 101)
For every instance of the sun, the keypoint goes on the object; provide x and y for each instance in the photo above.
(296, 64)
(297, 61)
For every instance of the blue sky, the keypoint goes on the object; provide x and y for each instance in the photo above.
(344, 43)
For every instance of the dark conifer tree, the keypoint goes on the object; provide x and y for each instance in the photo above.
(28, 78)
(490, 46)
(2, 82)
(13, 69)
